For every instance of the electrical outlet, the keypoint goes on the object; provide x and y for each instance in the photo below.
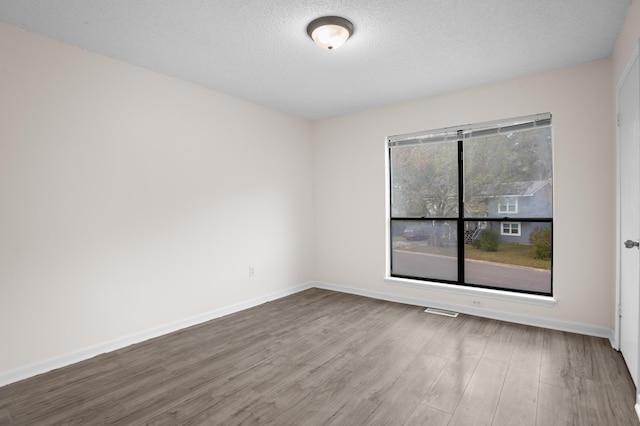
(476, 302)
(251, 271)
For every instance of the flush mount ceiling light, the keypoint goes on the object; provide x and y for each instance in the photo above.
(330, 32)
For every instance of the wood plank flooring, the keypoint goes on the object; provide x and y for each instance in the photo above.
(326, 358)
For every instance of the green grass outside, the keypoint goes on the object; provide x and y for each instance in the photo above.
(508, 253)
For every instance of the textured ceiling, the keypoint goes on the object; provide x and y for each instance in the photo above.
(259, 50)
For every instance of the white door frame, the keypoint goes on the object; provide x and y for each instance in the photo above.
(619, 238)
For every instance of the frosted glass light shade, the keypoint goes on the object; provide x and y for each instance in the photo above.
(330, 32)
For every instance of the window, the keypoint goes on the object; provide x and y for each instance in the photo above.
(511, 228)
(508, 205)
(451, 194)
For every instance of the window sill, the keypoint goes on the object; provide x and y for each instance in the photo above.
(530, 299)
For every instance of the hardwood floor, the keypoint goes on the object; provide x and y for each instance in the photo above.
(325, 358)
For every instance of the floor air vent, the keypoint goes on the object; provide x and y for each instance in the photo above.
(441, 312)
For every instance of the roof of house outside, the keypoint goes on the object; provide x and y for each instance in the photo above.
(514, 189)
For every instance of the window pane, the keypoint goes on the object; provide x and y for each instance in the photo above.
(424, 249)
(504, 170)
(508, 205)
(518, 258)
(511, 228)
(509, 175)
(424, 180)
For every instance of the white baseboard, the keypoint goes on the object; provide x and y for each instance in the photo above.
(87, 353)
(22, 373)
(572, 327)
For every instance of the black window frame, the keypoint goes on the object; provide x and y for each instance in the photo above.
(461, 219)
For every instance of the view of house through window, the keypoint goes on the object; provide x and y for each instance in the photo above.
(473, 205)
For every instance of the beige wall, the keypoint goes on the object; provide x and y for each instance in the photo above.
(350, 186)
(627, 40)
(129, 200)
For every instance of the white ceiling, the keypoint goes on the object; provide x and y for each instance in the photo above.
(259, 50)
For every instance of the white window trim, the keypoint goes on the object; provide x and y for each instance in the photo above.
(510, 234)
(510, 296)
(506, 202)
